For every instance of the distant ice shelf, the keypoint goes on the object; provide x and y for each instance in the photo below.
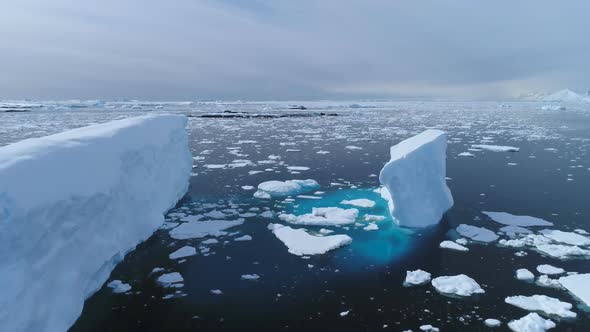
(73, 204)
(414, 180)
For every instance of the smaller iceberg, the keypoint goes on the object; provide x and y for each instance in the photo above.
(414, 180)
(274, 189)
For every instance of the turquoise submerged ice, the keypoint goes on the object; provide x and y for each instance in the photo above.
(376, 238)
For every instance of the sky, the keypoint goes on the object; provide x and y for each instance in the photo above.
(292, 49)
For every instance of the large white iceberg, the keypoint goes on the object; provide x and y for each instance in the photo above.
(415, 182)
(73, 204)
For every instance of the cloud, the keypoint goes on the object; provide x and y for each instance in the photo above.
(280, 49)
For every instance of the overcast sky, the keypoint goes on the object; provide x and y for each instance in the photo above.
(291, 49)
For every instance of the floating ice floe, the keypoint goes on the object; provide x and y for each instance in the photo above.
(300, 243)
(414, 180)
(361, 202)
(243, 238)
(200, 229)
(513, 231)
(185, 251)
(545, 281)
(460, 285)
(429, 328)
(524, 274)
(453, 246)
(418, 277)
(251, 277)
(549, 269)
(326, 216)
(118, 286)
(495, 148)
(272, 189)
(514, 220)
(562, 251)
(479, 234)
(542, 303)
(170, 278)
(531, 323)
(371, 227)
(566, 237)
(578, 285)
(466, 154)
(491, 322)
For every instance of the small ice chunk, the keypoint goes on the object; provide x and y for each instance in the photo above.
(466, 154)
(460, 285)
(531, 323)
(361, 202)
(185, 251)
(344, 313)
(373, 218)
(244, 238)
(200, 229)
(118, 286)
(216, 291)
(542, 303)
(300, 243)
(250, 277)
(545, 281)
(429, 328)
(495, 148)
(514, 220)
(524, 274)
(371, 227)
(549, 269)
(327, 216)
(479, 234)
(417, 277)
(491, 322)
(170, 278)
(453, 246)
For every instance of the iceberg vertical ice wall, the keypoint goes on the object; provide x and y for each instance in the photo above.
(414, 180)
(73, 204)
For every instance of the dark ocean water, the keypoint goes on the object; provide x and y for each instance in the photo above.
(548, 178)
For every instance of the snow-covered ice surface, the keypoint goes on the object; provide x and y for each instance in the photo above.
(418, 277)
(544, 304)
(460, 285)
(577, 284)
(531, 323)
(73, 204)
(415, 181)
(301, 243)
(547, 178)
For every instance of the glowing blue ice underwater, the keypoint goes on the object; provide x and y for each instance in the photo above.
(382, 246)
